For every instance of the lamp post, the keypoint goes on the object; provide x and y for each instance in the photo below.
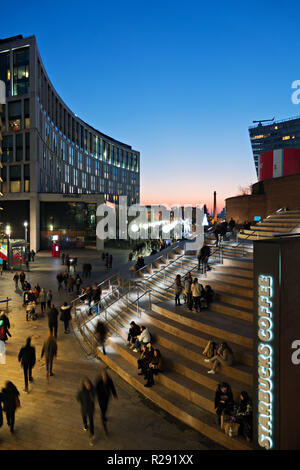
(26, 230)
(8, 232)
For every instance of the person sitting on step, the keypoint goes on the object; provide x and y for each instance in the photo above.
(155, 366)
(224, 355)
(145, 358)
(223, 401)
(243, 416)
(143, 338)
(133, 333)
(208, 295)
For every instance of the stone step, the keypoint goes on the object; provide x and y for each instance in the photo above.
(197, 337)
(212, 323)
(229, 278)
(239, 264)
(180, 346)
(227, 309)
(174, 404)
(247, 273)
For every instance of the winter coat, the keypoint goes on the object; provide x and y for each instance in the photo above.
(101, 332)
(226, 397)
(65, 312)
(43, 296)
(87, 400)
(27, 356)
(145, 337)
(104, 390)
(49, 348)
(177, 287)
(10, 395)
(52, 317)
(196, 289)
(134, 331)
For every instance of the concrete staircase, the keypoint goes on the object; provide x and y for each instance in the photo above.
(184, 389)
(280, 222)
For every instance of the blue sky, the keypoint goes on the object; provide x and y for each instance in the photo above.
(179, 81)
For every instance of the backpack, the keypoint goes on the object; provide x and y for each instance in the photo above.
(2, 332)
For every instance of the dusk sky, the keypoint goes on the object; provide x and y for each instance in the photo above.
(178, 81)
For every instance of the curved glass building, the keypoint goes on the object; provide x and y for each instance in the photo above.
(56, 167)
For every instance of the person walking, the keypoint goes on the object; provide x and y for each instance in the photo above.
(196, 292)
(78, 282)
(49, 298)
(101, 334)
(110, 261)
(50, 351)
(60, 279)
(66, 275)
(16, 280)
(43, 299)
(104, 389)
(63, 258)
(70, 284)
(22, 278)
(27, 358)
(65, 316)
(32, 255)
(52, 320)
(86, 398)
(9, 396)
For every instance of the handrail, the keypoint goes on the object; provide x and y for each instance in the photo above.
(117, 275)
(156, 259)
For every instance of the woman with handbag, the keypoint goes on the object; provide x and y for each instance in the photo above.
(10, 400)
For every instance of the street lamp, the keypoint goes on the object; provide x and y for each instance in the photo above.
(26, 230)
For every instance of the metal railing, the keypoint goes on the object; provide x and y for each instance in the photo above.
(105, 281)
(165, 255)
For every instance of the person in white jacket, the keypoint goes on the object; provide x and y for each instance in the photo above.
(196, 289)
(143, 338)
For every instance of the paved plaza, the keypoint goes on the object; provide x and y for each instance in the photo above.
(49, 417)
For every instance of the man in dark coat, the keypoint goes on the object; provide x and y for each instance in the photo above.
(203, 256)
(133, 333)
(50, 351)
(104, 389)
(86, 397)
(10, 399)
(101, 334)
(27, 358)
(65, 316)
(52, 320)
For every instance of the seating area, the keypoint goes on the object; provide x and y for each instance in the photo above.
(184, 389)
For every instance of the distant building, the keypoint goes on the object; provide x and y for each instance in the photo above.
(56, 167)
(277, 135)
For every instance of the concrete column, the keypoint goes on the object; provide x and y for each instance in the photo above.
(35, 223)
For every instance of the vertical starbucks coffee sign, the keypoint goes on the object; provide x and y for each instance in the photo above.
(265, 369)
(276, 373)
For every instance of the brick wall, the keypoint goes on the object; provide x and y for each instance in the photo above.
(278, 192)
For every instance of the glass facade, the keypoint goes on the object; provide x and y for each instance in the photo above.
(68, 155)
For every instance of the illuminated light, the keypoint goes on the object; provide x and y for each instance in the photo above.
(7, 230)
(286, 137)
(134, 228)
(276, 127)
(265, 362)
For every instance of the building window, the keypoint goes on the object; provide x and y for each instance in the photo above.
(27, 146)
(67, 173)
(26, 178)
(5, 71)
(79, 162)
(14, 116)
(26, 114)
(93, 183)
(7, 149)
(15, 178)
(83, 180)
(19, 147)
(75, 177)
(21, 71)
